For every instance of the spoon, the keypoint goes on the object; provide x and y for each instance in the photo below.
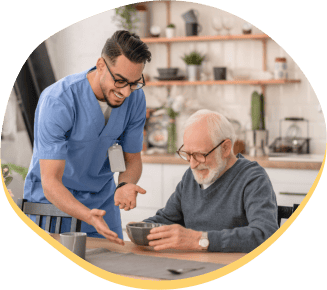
(182, 271)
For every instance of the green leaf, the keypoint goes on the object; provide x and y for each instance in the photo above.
(126, 17)
(22, 171)
(8, 180)
(171, 113)
(193, 58)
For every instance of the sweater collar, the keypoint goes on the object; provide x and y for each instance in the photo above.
(229, 174)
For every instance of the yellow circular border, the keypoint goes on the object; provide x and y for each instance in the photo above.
(172, 284)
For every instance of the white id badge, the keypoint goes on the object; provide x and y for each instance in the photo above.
(116, 158)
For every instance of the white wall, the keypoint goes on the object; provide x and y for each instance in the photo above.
(297, 100)
(77, 48)
(15, 144)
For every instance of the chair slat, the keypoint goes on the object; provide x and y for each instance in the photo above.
(43, 209)
(47, 223)
(20, 203)
(78, 225)
(285, 212)
(38, 220)
(49, 211)
(58, 225)
(73, 225)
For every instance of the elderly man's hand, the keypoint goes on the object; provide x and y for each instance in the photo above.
(174, 237)
(125, 196)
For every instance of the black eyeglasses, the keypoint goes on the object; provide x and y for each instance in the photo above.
(124, 83)
(199, 157)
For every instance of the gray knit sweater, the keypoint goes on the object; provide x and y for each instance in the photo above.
(239, 210)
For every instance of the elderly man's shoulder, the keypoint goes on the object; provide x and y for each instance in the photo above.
(187, 174)
(246, 165)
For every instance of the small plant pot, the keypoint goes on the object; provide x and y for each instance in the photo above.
(170, 32)
(193, 72)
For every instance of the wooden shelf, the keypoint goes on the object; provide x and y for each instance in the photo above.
(223, 82)
(206, 38)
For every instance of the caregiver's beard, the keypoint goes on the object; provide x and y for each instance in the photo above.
(107, 97)
(108, 101)
(213, 172)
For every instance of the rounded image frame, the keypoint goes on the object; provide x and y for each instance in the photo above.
(199, 281)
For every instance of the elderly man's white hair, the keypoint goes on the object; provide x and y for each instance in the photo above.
(218, 125)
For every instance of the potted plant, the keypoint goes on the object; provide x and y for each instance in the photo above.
(193, 62)
(257, 138)
(170, 30)
(7, 170)
(126, 16)
(174, 107)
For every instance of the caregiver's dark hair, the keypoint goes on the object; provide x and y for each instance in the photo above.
(128, 44)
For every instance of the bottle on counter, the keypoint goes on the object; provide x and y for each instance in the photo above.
(280, 68)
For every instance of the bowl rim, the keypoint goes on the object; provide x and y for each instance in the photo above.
(139, 227)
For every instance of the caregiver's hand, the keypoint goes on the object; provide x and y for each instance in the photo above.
(96, 220)
(125, 196)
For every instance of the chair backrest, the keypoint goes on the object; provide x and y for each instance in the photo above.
(284, 212)
(49, 211)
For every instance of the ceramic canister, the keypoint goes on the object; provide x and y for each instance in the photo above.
(280, 71)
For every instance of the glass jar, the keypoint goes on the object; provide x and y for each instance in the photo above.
(280, 71)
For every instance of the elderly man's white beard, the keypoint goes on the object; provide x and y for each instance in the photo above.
(213, 172)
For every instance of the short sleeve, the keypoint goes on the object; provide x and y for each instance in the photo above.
(132, 138)
(54, 121)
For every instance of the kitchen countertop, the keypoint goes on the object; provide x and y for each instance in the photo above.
(263, 161)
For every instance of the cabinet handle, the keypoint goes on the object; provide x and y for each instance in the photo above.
(293, 193)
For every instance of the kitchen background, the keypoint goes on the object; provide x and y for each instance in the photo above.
(77, 48)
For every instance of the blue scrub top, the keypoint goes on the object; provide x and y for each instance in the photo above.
(69, 125)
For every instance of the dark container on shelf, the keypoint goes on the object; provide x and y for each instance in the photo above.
(167, 72)
(193, 29)
(220, 73)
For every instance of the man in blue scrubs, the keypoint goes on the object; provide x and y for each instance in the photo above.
(76, 121)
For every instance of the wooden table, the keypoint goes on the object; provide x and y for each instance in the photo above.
(218, 258)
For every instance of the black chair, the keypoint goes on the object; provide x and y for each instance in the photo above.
(50, 212)
(284, 212)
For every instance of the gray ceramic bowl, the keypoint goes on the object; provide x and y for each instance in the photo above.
(167, 72)
(138, 232)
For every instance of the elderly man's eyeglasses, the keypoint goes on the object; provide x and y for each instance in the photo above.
(199, 157)
(124, 83)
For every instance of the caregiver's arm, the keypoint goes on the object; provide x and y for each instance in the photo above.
(125, 196)
(55, 192)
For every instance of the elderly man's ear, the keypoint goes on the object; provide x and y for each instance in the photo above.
(226, 148)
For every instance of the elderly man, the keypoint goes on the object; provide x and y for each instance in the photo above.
(224, 203)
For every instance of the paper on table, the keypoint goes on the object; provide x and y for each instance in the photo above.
(146, 266)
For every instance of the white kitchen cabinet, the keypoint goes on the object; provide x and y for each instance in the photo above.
(172, 175)
(291, 185)
(151, 181)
